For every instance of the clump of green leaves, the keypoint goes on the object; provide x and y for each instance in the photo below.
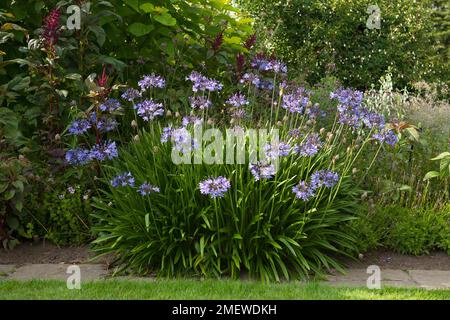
(405, 230)
(63, 216)
(317, 36)
(13, 181)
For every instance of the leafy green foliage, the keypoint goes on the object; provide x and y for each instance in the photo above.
(408, 231)
(66, 215)
(316, 36)
(13, 185)
(173, 36)
(257, 229)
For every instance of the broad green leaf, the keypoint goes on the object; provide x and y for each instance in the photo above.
(73, 76)
(441, 156)
(139, 29)
(166, 19)
(147, 7)
(12, 222)
(133, 4)
(232, 40)
(9, 194)
(431, 174)
(18, 184)
(19, 206)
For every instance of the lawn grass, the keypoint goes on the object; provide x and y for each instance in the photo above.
(208, 289)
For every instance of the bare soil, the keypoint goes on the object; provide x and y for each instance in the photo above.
(45, 252)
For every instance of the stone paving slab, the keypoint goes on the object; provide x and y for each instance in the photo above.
(431, 279)
(427, 279)
(358, 278)
(57, 272)
(6, 269)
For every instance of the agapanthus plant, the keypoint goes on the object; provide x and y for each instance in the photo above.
(275, 217)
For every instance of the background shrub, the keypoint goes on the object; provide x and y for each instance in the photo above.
(318, 36)
(404, 230)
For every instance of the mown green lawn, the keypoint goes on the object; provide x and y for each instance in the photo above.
(208, 289)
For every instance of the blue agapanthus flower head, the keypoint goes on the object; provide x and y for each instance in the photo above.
(277, 66)
(78, 127)
(78, 156)
(200, 102)
(151, 81)
(250, 78)
(110, 105)
(388, 137)
(166, 134)
(131, 94)
(237, 100)
(145, 189)
(296, 101)
(215, 187)
(275, 150)
(261, 170)
(104, 151)
(202, 83)
(310, 146)
(348, 97)
(374, 120)
(325, 178)
(149, 110)
(304, 191)
(194, 120)
(123, 180)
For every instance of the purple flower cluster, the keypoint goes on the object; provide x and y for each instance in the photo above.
(265, 84)
(348, 97)
(310, 146)
(104, 123)
(295, 133)
(151, 81)
(350, 111)
(123, 180)
(275, 150)
(110, 105)
(104, 150)
(180, 137)
(387, 136)
(261, 170)
(131, 94)
(304, 190)
(78, 156)
(262, 64)
(215, 187)
(238, 113)
(101, 151)
(374, 120)
(202, 83)
(78, 127)
(295, 102)
(196, 121)
(146, 189)
(325, 178)
(314, 111)
(200, 102)
(149, 110)
(166, 134)
(237, 100)
(250, 78)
